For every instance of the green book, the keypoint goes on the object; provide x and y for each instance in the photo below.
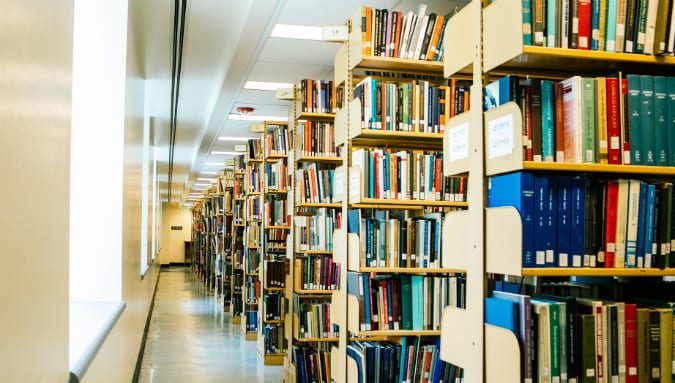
(647, 120)
(660, 117)
(642, 344)
(588, 120)
(587, 372)
(417, 304)
(641, 30)
(670, 85)
(406, 301)
(634, 106)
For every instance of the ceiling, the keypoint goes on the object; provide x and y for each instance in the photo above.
(226, 43)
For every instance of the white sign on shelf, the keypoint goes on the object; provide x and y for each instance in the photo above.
(458, 145)
(229, 162)
(258, 128)
(240, 148)
(339, 181)
(500, 136)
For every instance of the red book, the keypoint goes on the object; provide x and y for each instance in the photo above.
(385, 306)
(610, 226)
(527, 122)
(624, 121)
(631, 343)
(376, 167)
(599, 361)
(613, 124)
(427, 367)
(559, 123)
(584, 12)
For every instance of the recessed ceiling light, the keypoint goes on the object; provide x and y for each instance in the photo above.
(215, 164)
(266, 85)
(238, 139)
(206, 179)
(201, 184)
(211, 173)
(254, 117)
(219, 152)
(300, 32)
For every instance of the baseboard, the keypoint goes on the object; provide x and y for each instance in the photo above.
(174, 264)
(139, 360)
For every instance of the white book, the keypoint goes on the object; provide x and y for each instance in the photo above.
(359, 161)
(572, 123)
(420, 38)
(419, 18)
(437, 290)
(565, 33)
(621, 341)
(404, 30)
(621, 222)
(409, 36)
(652, 8)
(543, 342)
(632, 223)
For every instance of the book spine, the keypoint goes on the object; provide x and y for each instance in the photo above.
(660, 120)
(539, 15)
(631, 12)
(641, 26)
(647, 120)
(584, 14)
(613, 129)
(527, 21)
(610, 36)
(595, 25)
(547, 121)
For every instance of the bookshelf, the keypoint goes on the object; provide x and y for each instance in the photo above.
(490, 46)
(252, 236)
(276, 226)
(350, 250)
(225, 188)
(237, 232)
(313, 152)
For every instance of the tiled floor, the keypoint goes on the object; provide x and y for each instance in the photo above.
(191, 340)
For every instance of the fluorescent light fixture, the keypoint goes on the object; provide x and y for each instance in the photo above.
(214, 164)
(207, 179)
(226, 153)
(237, 139)
(300, 32)
(201, 184)
(255, 117)
(210, 173)
(266, 85)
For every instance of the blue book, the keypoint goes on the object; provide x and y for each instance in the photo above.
(551, 19)
(578, 187)
(403, 360)
(498, 92)
(517, 190)
(610, 33)
(541, 215)
(356, 354)
(642, 220)
(595, 25)
(437, 369)
(507, 287)
(649, 226)
(385, 170)
(547, 121)
(564, 220)
(502, 313)
(354, 221)
(527, 22)
(417, 282)
(390, 316)
(551, 222)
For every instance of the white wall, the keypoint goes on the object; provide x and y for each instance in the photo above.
(35, 117)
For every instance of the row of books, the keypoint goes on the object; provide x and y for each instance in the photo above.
(316, 139)
(320, 96)
(631, 26)
(251, 320)
(316, 232)
(252, 261)
(254, 149)
(314, 319)
(236, 306)
(253, 178)
(252, 289)
(274, 236)
(400, 175)
(411, 359)
(404, 302)
(315, 184)
(587, 340)
(277, 139)
(581, 221)
(312, 365)
(409, 35)
(397, 239)
(275, 273)
(238, 187)
(275, 306)
(275, 341)
(252, 235)
(277, 176)
(317, 272)
(253, 210)
(276, 211)
(239, 163)
(613, 120)
(416, 106)
(456, 188)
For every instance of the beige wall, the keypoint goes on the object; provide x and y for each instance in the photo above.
(35, 101)
(172, 246)
(116, 359)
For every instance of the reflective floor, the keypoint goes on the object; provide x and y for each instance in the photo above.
(191, 340)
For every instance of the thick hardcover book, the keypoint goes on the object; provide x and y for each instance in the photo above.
(564, 221)
(573, 31)
(654, 346)
(620, 25)
(634, 106)
(577, 236)
(588, 129)
(539, 21)
(610, 35)
(584, 13)
(525, 338)
(641, 26)
(536, 118)
(670, 87)
(631, 12)
(559, 122)
(571, 114)
(541, 195)
(587, 345)
(660, 120)
(643, 368)
(547, 121)
(601, 122)
(613, 124)
(596, 13)
(647, 122)
(502, 313)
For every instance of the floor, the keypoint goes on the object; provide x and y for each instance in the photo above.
(191, 340)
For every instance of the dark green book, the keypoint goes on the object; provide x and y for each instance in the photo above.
(641, 26)
(406, 301)
(660, 123)
(647, 120)
(634, 107)
(670, 85)
(654, 346)
(643, 344)
(587, 349)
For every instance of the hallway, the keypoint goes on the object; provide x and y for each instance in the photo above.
(190, 339)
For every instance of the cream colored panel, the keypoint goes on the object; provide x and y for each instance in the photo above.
(35, 110)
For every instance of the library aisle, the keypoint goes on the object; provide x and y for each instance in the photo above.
(190, 339)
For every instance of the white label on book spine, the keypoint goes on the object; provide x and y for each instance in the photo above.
(622, 369)
(576, 261)
(575, 25)
(590, 372)
(500, 136)
(540, 257)
(614, 142)
(632, 371)
(603, 144)
(458, 142)
(562, 260)
(549, 256)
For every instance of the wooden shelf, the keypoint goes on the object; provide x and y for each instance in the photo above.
(275, 288)
(408, 270)
(306, 340)
(314, 251)
(314, 292)
(239, 173)
(279, 191)
(318, 205)
(320, 159)
(395, 138)
(315, 116)
(400, 65)
(274, 359)
(275, 157)
(253, 193)
(396, 333)
(597, 272)
(372, 203)
(638, 170)
(279, 227)
(255, 161)
(274, 321)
